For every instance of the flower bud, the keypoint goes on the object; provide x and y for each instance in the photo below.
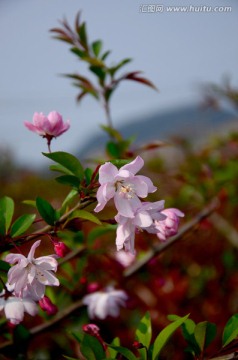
(47, 306)
(61, 249)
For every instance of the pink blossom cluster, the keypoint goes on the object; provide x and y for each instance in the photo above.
(26, 285)
(127, 189)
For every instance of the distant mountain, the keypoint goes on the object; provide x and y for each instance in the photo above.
(188, 122)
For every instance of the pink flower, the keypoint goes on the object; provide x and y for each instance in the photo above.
(105, 303)
(48, 126)
(46, 305)
(14, 307)
(144, 217)
(124, 186)
(169, 226)
(30, 275)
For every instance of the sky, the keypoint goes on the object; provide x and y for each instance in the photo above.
(177, 50)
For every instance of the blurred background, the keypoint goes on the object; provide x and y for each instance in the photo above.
(178, 51)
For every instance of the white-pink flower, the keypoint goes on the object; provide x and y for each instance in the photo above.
(105, 303)
(15, 307)
(48, 126)
(144, 217)
(125, 258)
(124, 186)
(30, 275)
(169, 226)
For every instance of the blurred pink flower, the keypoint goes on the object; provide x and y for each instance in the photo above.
(30, 275)
(105, 303)
(48, 126)
(124, 186)
(169, 226)
(14, 307)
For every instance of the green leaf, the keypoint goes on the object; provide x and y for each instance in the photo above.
(97, 47)
(105, 55)
(113, 352)
(6, 211)
(112, 132)
(88, 175)
(120, 162)
(70, 180)
(99, 72)
(165, 335)
(60, 168)
(83, 34)
(78, 52)
(230, 331)
(204, 333)
(113, 149)
(69, 161)
(47, 212)
(83, 214)
(144, 331)
(22, 224)
(91, 348)
(188, 328)
(70, 197)
(124, 351)
(114, 69)
(4, 266)
(29, 202)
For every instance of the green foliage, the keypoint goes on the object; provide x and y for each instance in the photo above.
(204, 333)
(68, 161)
(165, 335)
(46, 210)
(90, 347)
(230, 331)
(123, 351)
(7, 211)
(83, 214)
(144, 331)
(22, 224)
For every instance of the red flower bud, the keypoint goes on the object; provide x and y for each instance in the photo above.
(46, 305)
(61, 249)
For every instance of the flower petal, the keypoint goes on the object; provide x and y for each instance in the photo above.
(31, 254)
(134, 166)
(126, 207)
(107, 172)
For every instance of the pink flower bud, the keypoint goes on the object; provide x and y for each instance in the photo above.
(169, 226)
(47, 306)
(93, 286)
(93, 330)
(61, 249)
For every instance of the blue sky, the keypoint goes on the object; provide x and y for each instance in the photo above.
(177, 51)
